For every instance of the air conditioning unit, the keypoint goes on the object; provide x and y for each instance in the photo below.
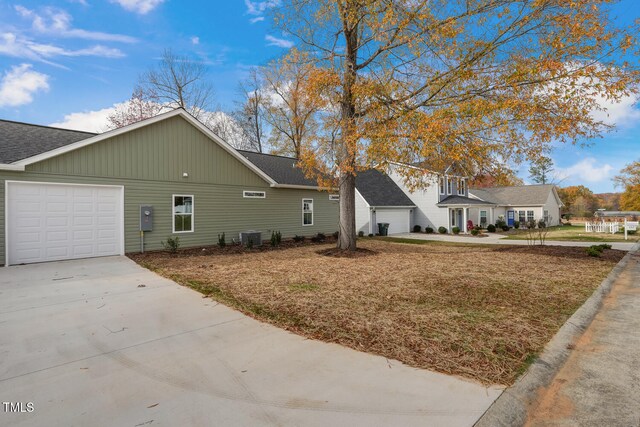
(254, 236)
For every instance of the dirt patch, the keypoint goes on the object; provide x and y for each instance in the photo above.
(482, 312)
(339, 253)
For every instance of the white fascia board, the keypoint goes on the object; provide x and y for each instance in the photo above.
(11, 167)
(110, 134)
(393, 207)
(301, 187)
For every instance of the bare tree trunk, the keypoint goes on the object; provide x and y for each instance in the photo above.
(347, 239)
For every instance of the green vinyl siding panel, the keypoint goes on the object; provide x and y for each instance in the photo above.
(216, 181)
(162, 151)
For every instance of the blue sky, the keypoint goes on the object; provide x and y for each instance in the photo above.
(66, 62)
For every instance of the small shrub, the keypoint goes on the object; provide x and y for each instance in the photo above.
(604, 246)
(222, 242)
(491, 228)
(172, 244)
(250, 243)
(370, 234)
(336, 234)
(297, 238)
(428, 230)
(276, 238)
(360, 233)
(516, 224)
(417, 228)
(320, 237)
(442, 230)
(500, 222)
(455, 230)
(505, 228)
(475, 232)
(594, 251)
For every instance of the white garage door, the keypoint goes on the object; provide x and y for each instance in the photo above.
(49, 222)
(398, 219)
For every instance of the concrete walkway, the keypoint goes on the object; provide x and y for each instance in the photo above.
(599, 384)
(104, 342)
(498, 239)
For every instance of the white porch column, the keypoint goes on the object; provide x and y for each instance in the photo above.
(464, 220)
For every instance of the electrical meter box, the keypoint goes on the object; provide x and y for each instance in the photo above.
(146, 218)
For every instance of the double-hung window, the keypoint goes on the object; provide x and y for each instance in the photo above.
(529, 215)
(182, 213)
(546, 217)
(483, 218)
(441, 184)
(307, 211)
(461, 188)
(449, 185)
(521, 217)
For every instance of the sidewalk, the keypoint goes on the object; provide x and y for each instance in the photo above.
(497, 239)
(589, 373)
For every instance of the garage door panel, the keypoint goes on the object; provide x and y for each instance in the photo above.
(398, 219)
(49, 222)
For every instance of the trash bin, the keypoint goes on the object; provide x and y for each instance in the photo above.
(383, 228)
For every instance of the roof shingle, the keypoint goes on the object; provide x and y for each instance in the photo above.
(378, 189)
(523, 195)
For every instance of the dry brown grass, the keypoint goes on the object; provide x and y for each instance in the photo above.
(478, 312)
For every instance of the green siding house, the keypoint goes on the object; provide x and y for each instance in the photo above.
(69, 194)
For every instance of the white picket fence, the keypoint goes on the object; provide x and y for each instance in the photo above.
(602, 227)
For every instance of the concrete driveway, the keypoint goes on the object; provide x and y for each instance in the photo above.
(105, 342)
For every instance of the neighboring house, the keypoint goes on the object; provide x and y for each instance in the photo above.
(380, 200)
(70, 194)
(444, 200)
(521, 203)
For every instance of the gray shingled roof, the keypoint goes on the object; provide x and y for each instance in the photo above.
(522, 195)
(462, 200)
(22, 140)
(380, 190)
(282, 169)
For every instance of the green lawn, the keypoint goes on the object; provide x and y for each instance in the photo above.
(575, 233)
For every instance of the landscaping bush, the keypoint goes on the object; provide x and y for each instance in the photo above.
(594, 250)
(370, 234)
(516, 224)
(360, 233)
(297, 238)
(222, 242)
(491, 228)
(475, 232)
(172, 244)
(500, 222)
(456, 230)
(428, 230)
(604, 246)
(505, 228)
(320, 237)
(442, 230)
(249, 243)
(417, 228)
(276, 238)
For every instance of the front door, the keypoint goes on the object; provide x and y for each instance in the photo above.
(510, 218)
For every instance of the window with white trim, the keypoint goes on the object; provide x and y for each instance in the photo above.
(546, 217)
(449, 185)
(307, 211)
(461, 188)
(441, 183)
(483, 218)
(529, 215)
(182, 213)
(521, 217)
(248, 194)
(334, 197)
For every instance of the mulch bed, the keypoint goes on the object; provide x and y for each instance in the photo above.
(475, 311)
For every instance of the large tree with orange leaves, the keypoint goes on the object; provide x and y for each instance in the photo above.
(470, 81)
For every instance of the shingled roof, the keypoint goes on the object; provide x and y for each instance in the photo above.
(522, 195)
(19, 141)
(281, 169)
(378, 189)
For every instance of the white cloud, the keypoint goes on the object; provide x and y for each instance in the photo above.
(621, 113)
(20, 47)
(139, 6)
(259, 7)
(58, 22)
(88, 121)
(586, 170)
(274, 41)
(20, 84)
(257, 19)
(195, 40)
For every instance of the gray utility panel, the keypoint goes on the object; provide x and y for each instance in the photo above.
(146, 218)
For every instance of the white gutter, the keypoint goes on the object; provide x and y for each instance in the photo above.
(9, 167)
(301, 187)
